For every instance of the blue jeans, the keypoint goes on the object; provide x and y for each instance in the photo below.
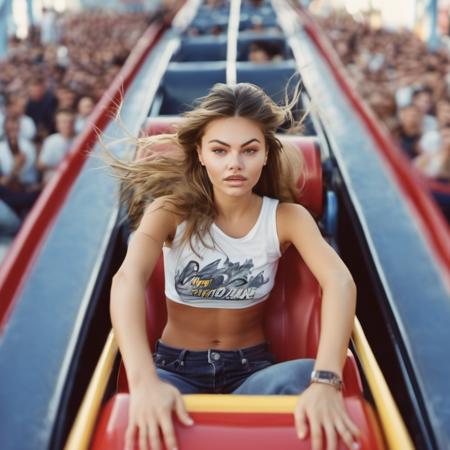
(248, 371)
(9, 221)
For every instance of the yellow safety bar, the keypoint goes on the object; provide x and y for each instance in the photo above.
(80, 435)
(396, 435)
(395, 431)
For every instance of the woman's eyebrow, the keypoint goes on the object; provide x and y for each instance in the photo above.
(228, 145)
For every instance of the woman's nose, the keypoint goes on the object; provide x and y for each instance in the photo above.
(234, 160)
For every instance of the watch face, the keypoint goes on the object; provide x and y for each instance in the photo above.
(327, 375)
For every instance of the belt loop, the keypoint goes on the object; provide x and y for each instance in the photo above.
(181, 357)
(209, 356)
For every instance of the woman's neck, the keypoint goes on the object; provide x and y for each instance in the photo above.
(229, 208)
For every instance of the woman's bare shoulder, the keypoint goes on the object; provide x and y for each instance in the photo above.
(291, 210)
(290, 218)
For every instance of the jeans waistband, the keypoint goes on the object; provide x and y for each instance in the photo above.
(207, 355)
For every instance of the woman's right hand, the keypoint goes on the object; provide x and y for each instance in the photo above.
(150, 410)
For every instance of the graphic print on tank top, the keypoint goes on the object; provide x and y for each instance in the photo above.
(219, 280)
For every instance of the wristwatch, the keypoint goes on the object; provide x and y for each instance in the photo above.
(326, 377)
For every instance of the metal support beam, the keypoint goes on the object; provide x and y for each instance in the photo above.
(432, 15)
(5, 7)
(30, 14)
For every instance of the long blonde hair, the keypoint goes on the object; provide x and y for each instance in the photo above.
(171, 167)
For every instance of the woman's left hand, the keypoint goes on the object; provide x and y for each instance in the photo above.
(322, 406)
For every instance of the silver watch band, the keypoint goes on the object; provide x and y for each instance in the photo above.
(327, 377)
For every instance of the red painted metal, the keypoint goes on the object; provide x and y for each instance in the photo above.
(32, 234)
(431, 220)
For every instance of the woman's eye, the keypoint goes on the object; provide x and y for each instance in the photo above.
(218, 151)
(250, 151)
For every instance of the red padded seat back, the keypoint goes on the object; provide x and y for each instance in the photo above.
(292, 310)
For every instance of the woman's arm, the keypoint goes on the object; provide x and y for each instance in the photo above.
(127, 304)
(295, 225)
(151, 401)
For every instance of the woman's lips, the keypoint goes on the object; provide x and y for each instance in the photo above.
(235, 180)
(235, 177)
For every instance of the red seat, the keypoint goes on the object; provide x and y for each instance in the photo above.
(225, 431)
(292, 319)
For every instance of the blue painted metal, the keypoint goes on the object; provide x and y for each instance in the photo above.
(4, 16)
(30, 14)
(330, 226)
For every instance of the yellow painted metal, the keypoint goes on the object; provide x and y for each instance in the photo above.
(395, 431)
(83, 427)
(240, 403)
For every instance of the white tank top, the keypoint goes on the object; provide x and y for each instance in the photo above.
(235, 273)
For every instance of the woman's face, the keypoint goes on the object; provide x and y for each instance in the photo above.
(233, 151)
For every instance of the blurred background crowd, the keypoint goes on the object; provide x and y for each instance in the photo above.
(405, 84)
(50, 82)
(52, 78)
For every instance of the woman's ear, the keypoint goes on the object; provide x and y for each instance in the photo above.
(265, 158)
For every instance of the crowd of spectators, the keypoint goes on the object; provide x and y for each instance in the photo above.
(49, 85)
(406, 85)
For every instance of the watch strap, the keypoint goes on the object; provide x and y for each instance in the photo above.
(327, 377)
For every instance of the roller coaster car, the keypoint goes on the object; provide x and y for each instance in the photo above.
(292, 322)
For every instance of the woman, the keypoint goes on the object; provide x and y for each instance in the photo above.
(223, 214)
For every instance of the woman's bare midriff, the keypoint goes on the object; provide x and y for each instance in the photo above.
(203, 328)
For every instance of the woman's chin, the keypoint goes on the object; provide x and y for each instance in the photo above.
(234, 191)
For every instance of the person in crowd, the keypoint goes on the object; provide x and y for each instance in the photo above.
(436, 164)
(221, 200)
(15, 107)
(17, 157)
(410, 130)
(261, 52)
(19, 185)
(422, 98)
(431, 140)
(383, 105)
(67, 98)
(56, 146)
(85, 107)
(41, 107)
(257, 24)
